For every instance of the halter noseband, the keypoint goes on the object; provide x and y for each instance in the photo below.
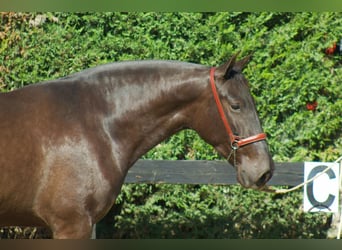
(236, 141)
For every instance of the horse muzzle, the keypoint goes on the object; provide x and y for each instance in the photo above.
(255, 174)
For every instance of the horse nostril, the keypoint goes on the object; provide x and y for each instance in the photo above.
(264, 178)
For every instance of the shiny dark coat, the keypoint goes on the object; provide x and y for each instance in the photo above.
(67, 144)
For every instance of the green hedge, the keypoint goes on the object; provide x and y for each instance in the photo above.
(289, 69)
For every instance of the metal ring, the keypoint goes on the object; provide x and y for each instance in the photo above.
(235, 145)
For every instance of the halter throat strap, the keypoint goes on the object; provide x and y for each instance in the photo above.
(236, 141)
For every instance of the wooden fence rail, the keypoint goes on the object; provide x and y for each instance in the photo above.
(205, 172)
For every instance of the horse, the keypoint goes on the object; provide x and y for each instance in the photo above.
(67, 144)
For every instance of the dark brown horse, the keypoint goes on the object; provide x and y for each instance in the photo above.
(66, 145)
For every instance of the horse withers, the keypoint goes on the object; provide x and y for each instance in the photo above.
(67, 144)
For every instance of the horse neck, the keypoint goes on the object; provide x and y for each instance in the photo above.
(149, 107)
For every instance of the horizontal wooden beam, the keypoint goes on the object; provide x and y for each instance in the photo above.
(205, 172)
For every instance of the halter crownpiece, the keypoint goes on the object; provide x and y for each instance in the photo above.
(236, 141)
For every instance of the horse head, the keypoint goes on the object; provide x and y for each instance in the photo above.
(230, 123)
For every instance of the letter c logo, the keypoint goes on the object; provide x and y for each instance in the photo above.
(309, 188)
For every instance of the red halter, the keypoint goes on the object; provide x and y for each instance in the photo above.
(236, 141)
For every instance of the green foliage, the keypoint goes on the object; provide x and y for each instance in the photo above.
(202, 211)
(289, 69)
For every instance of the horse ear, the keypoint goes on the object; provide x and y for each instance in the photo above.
(230, 68)
(227, 70)
(240, 65)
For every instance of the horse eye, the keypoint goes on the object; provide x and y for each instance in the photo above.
(235, 106)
